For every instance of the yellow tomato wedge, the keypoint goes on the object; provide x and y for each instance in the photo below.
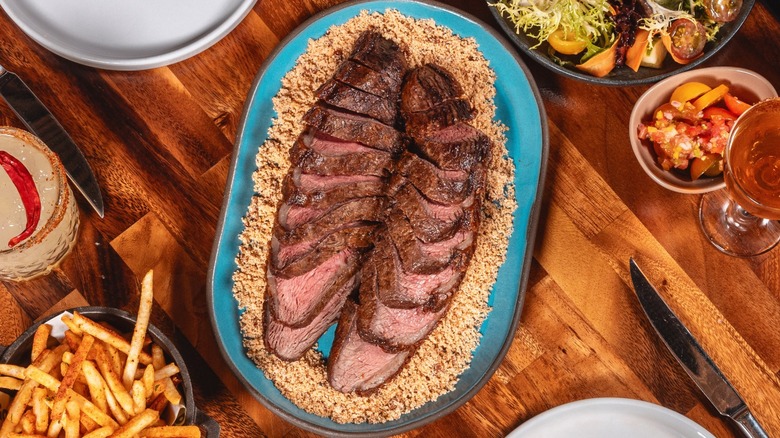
(601, 64)
(706, 165)
(566, 43)
(711, 97)
(689, 91)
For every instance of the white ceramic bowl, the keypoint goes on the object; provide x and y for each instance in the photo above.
(745, 84)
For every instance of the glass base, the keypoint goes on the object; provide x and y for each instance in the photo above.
(733, 230)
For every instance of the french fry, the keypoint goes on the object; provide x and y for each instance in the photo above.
(11, 383)
(25, 435)
(114, 358)
(106, 335)
(169, 370)
(28, 422)
(46, 361)
(97, 389)
(55, 427)
(12, 371)
(87, 423)
(112, 380)
(40, 409)
(72, 340)
(68, 321)
(139, 332)
(69, 378)
(137, 424)
(148, 380)
(40, 340)
(170, 391)
(158, 357)
(72, 422)
(138, 393)
(68, 356)
(102, 432)
(172, 431)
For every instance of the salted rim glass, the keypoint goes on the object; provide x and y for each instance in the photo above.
(58, 229)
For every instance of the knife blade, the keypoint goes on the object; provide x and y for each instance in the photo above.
(694, 360)
(26, 105)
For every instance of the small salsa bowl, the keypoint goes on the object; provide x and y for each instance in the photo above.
(748, 85)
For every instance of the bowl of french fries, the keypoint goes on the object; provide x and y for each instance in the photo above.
(97, 372)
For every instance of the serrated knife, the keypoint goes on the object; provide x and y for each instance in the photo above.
(42, 123)
(692, 357)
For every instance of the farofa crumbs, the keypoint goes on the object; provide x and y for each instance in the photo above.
(447, 352)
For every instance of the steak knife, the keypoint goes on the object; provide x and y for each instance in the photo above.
(42, 123)
(692, 357)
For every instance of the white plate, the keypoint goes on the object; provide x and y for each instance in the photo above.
(127, 34)
(610, 417)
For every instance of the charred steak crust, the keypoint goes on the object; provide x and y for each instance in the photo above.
(341, 95)
(354, 127)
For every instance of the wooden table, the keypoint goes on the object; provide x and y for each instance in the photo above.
(160, 142)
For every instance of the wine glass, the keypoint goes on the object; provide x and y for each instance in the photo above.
(742, 220)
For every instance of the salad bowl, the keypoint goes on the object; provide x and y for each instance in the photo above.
(620, 76)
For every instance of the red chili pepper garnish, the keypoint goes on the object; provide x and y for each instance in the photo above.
(25, 184)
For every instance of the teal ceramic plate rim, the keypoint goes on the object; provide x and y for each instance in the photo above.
(519, 106)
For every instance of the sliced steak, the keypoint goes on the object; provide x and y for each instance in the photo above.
(440, 186)
(401, 289)
(456, 147)
(379, 54)
(341, 95)
(290, 343)
(328, 156)
(419, 257)
(296, 301)
(368, 80)
(292, 227)
(319, 191)
(392, 328)
(354, 127)
(356, 365)
(432, 222)
(296, 259)
(425, 123)
(427, 87)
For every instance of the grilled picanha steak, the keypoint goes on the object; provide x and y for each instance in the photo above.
(428, 238)
(334, 196)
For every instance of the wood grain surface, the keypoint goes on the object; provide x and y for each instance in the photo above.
(160, 143)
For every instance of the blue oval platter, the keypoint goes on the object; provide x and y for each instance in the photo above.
(519, 107)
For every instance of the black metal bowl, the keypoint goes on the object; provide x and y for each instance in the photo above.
(623, 76)
(18, 353)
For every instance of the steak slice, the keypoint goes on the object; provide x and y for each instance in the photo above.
(355, 128)
(379, 54)
(401, 289)
(356, 365)
(432, 222)
(440, 186)
(328, 156)
(456, 147)
(368, 80)
(392, 328)
(419, 257)
(319, 191)
(296, 301)
(290, 343)
(341, 95)
(427, 87)
(296, 259)
(424, 123)
(296, 223)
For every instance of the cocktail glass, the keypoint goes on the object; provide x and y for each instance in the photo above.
(742, 220)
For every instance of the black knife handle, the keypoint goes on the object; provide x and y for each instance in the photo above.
(749, 425)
